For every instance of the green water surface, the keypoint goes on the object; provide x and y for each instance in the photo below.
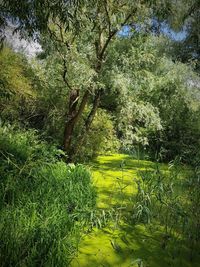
(120, 243)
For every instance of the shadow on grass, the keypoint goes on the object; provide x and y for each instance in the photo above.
(126, 245)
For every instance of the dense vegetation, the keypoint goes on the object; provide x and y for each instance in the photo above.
(111, 76)
(151, 215)
(44, 202)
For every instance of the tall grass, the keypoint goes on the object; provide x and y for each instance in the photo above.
(170, 200)
(42, 202)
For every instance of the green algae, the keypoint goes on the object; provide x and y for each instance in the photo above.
(120, 244)
(114, 173)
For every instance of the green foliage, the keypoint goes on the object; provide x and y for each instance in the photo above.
(188, 50)
(101, 138)
(178, 107)
(32, 94)
(34, 16)
(43, 201)
(12, 73)
(148, 100)
(156, 101)
(18, 87)
(50, 104)
(131, 61)
(170, 200)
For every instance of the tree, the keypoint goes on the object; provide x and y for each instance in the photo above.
(189, 49)
(17, 85)
(79, 33)
(83, 57)
(186, 17)
(31, 17)
(156, 99)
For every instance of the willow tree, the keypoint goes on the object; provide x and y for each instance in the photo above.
(79, 33)
(82, 48)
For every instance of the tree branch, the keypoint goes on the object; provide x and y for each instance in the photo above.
(112, 34)
(65, 73)
(107, 15)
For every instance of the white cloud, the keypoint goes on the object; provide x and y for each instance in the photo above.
(29, 47)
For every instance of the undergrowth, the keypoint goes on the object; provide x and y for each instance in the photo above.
(43, 201)
(170, 201)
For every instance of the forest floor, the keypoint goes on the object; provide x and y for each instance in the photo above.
(120, 243)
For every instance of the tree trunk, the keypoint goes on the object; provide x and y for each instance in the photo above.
(88, 123)
(73, 116)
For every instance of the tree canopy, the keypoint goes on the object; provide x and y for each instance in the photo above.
(115, 87)
(106, 54)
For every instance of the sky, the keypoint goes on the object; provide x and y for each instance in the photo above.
(176, 36)
(31, 48)
(164, 29)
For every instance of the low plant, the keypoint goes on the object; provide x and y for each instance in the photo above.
(168, 199)
(42, 201)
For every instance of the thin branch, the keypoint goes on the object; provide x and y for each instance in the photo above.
(53, 35)
(65, 73)
(112, 34)
(195, 7)
(62, 41)
(65, 42)
(61, 33)
(108, 17)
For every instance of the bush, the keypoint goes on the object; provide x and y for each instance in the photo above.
(17, 87)
(42, 201)
(101, 138)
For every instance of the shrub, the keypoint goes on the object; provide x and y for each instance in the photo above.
(101, 138)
